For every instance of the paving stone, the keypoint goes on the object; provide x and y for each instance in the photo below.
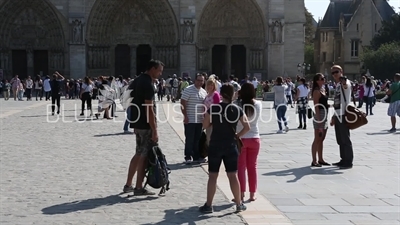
(73, 173)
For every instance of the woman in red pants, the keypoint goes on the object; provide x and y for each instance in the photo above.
(251, 140)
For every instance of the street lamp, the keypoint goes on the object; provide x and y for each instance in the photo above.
(303, 68)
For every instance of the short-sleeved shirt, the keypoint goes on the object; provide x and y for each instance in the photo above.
(87, 88)
(224, 119)
(194, 98)
(143, 89)
(55, 87)
(395, 92)
(339, 103)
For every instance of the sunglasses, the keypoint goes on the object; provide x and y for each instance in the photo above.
(322, 78)
(335, 72)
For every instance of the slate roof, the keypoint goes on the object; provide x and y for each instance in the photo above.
(348, 8)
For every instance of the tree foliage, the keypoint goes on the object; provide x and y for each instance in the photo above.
(383, 62)
(309, 28)
(309, 41)
(390, 32)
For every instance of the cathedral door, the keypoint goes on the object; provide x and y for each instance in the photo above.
(143, 56)
(238, 61)
(122, 60)
(41, 63)
(19, 63)
(219, 61)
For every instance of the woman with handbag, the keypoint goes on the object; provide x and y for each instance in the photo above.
(86, 95)
(251, 141)
(225, 145)
(320, 121)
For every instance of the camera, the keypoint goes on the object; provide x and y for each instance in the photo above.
(343, 78)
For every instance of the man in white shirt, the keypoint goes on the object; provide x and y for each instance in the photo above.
(342, 99)
(193, 111)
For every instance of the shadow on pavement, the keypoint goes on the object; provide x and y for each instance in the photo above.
(183, 166)
(115, 134)
(299, 173)
(92, 203)
(189, 215)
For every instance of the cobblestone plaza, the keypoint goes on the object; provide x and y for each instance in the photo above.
(71, 171)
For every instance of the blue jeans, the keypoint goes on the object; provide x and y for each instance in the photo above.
(127, 121)
(192, 134)
(280, 114)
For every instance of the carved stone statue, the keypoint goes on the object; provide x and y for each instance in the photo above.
(77, 31)
(277, 31)
(188, 32)
(29, 56)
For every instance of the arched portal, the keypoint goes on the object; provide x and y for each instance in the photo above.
(227, 30)
(31, 38)
(138, 25)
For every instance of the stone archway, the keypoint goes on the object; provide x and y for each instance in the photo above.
(31, 38)
(116, 25)
(227, 26)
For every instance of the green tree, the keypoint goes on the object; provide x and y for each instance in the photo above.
(309, 41)
(388, 33)
(309, 28)
(384, 62)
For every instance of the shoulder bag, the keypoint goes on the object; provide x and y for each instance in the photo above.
(239, 142)
(353, 116)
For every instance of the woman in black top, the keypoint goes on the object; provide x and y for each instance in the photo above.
(320, 122)
(223, 146)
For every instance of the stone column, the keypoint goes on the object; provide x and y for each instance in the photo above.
(229, 60)
(133, 60)
(29, 61)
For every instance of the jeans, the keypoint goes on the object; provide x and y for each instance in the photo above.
(47, 95)
(20, 94)
(29, 93)
(369, 105)
(54, 99)
(86, 97)
(280, 114)
(128, 119)
(38, 93)
(248, 161)
(342, 133)
(192, 138)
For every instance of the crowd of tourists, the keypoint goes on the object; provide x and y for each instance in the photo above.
(226, 112)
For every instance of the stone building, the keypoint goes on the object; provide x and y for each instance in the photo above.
(347, 27)
(263, 38)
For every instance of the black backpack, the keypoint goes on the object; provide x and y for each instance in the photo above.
(157, 171)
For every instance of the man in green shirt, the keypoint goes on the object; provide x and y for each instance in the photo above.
(394, 106)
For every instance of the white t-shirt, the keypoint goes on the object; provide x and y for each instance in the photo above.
(253, 120)
(194, 107)
(339, 103)
(369, 90)
(303, 91)
(87, 88)
(219, 85)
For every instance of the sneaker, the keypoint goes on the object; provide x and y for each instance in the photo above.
(143, 191)
(393, 130)
(128, 132)
(279, 132)
(241, 208)
(286, 129)
(128, 189)
(206, 209)
(201, 160)
(188, 161)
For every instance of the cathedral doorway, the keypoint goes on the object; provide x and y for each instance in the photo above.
(143, 56)
(19, 63)
(238, 61)
(122, 60)
(149, 28)
(41, 62)
(219, 63)
(32, 37)
(237, 24)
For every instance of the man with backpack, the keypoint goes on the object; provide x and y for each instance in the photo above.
(143, 120)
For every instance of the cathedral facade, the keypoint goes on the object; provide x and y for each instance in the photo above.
(262, 38)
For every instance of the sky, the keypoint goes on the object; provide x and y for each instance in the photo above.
(318, 7)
